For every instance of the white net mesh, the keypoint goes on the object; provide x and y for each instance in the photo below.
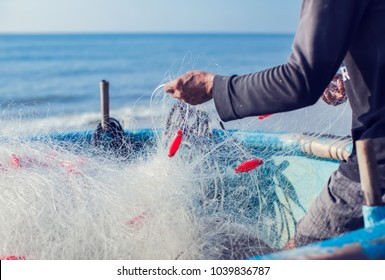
(62, 198)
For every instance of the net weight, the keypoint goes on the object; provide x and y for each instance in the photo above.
(255, 270)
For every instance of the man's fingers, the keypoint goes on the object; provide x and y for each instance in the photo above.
(340, 86)
(331, 88)
(169, 87)
(177, 94)
(335, 92)
(327, 97)
(172, 86)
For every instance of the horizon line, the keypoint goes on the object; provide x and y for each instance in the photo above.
(25, 33)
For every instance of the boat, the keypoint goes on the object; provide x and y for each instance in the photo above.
(294, 167)
(289, 152)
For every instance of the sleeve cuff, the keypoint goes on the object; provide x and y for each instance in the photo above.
(222, 98)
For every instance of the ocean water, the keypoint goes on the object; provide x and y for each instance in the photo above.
(53, 80)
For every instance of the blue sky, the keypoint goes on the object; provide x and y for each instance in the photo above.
(57, 16)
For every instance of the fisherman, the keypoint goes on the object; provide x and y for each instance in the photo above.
(331, 33)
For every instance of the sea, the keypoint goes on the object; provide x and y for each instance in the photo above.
(51, 81)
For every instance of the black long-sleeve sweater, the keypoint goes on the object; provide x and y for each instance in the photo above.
(330, 32)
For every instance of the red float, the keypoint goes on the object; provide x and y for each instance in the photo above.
(264, 116)
(248, 165)
(175, 143)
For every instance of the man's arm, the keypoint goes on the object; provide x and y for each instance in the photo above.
(321, 42)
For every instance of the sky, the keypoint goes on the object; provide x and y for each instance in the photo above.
(150, 16)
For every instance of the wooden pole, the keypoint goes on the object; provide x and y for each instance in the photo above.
(104, 103)
(336, 150)
(370, 181)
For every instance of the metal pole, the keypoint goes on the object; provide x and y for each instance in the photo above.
(104, 103)
(370, 181)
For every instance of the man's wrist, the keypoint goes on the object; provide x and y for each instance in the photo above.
(209, 84)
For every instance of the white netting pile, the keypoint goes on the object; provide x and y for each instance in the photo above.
(74, 201)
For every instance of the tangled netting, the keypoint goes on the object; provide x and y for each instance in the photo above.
(89, 199)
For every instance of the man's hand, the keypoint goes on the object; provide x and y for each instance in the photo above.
(335, 94)
(194, 87)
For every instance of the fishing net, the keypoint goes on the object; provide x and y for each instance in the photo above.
(228, 191)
